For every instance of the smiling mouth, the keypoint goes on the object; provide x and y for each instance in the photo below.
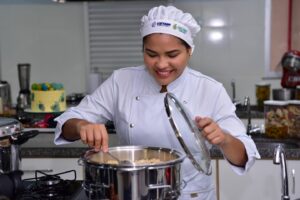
(163, 74)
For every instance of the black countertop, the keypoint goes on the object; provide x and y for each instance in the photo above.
(42, 146)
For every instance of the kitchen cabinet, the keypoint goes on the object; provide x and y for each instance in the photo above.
(263, 181)
(51, 166)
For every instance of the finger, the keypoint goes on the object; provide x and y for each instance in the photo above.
(203, 122)
(83, 136)
(198, 118)
(90, 137)
(104, 141)
(97, 138)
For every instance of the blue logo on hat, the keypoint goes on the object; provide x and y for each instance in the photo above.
(166, 24)
(153, 24)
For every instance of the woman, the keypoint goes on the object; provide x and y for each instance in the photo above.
(133, 99)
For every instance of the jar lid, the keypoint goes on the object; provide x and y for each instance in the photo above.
(186, 131)
(262, 84)
(295, 102)
(276, 103)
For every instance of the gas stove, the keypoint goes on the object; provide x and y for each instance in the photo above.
(51, 187)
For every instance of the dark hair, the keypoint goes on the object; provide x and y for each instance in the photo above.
(181, 40)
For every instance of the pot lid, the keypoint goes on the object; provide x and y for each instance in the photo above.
(188, 134)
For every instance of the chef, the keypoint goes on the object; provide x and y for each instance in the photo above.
(133, 97)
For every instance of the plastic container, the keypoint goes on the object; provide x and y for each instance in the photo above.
(294, 118)
(276, 119)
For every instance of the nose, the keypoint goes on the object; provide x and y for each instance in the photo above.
(162, 62)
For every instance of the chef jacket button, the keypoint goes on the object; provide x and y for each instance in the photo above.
(137, 98)
(131, 125)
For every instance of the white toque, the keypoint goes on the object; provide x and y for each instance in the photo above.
(170, 20)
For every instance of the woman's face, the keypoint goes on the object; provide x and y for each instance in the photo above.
(165, 56)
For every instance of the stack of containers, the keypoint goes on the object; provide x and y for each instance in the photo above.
(282, 119)
(294, 118)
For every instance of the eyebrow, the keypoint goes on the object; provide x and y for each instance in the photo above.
(172, 51)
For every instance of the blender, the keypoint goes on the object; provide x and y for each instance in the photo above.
(23, 100)
(291, 69)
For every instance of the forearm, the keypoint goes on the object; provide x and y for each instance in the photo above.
(234, 151)
(70, 129)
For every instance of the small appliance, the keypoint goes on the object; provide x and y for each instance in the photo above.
(290, 63)
(23, 100)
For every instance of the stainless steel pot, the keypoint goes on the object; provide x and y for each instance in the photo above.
(138, 181)
(11, 137)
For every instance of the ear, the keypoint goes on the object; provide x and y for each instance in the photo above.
(190, 51)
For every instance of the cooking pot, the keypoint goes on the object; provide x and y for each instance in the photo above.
(138, 172)
(138, 179)
(11, 137)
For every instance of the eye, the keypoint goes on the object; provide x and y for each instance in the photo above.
(173, 55)
(151, 54)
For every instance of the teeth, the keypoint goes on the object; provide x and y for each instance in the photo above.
(163, 73)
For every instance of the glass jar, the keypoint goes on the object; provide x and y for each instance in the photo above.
(276, 119)
(294, 118)
(262, 91)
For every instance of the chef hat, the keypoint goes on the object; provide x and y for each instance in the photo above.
(172, 21)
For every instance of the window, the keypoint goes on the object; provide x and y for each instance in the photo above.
(114, 39)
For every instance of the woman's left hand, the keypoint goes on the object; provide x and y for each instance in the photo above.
(211, 130)
(232, 148)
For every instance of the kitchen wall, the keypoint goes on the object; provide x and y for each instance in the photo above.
(52, 38)
(47, 35)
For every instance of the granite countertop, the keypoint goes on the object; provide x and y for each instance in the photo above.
(42, 146)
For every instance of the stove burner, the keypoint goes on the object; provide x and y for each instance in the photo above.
(50, 180)
(49, 186)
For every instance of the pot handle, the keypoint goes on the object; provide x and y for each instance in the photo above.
(80, 162)
(155, 186)
(22, 137)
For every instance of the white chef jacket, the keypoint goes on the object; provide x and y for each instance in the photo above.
(130, 98)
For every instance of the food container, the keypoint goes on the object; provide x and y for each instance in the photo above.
(283, 94)
(143, 179)
(262, 91)
(294, 118)
(276, 119)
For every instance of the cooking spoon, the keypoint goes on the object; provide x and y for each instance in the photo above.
(122, 162)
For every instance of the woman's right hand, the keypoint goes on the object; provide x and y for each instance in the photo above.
(95, 135)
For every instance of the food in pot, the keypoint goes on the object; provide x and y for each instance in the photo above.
(137, 162)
